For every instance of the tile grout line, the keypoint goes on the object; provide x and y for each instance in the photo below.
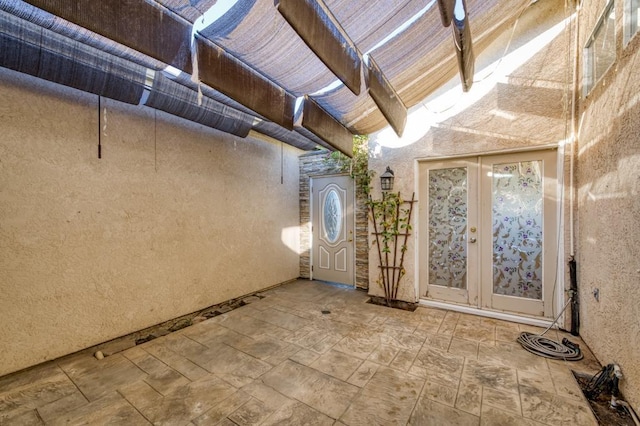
(415, 405)
(424, 383)
(520, 393)
(74, 383)
(165, 364)
(134, 407)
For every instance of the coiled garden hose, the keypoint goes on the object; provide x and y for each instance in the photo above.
(539, 345)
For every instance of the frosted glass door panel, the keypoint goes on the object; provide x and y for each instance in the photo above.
(517, 229)
(332, 216)
(519, 240)
(448, 227)
(449, 230)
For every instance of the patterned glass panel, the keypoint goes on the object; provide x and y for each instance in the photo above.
(332, 216)
(448, 227)
(517, 229)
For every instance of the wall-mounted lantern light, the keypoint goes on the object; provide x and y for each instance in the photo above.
(386, 180)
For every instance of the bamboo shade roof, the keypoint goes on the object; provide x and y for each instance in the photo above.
(307, 72)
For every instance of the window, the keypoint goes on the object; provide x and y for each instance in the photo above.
(600, 50)
(631, 15)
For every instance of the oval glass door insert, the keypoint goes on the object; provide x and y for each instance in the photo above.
(332, 216)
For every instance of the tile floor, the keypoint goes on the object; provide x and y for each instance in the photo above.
(280, 360)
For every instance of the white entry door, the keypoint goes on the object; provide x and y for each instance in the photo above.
(332, 201)
(488, 232)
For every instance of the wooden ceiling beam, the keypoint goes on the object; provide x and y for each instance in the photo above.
(158, 33)
(234, 78)
(320, 30)
(385, 96)
(323, 125)
(464, 50)
(446, 11)
(137, 24)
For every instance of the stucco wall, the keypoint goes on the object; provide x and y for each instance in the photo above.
(520, 100)
(175, 217)
(608, 182)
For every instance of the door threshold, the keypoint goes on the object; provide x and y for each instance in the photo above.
(335, 284)
(485, 313)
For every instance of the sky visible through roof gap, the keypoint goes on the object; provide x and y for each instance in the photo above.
(336, 84)
(221, 7)
(441, 107)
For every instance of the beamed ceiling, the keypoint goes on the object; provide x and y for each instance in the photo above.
(306, 72)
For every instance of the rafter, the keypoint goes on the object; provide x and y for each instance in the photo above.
(446, 11)
(319, 29)
(137, 24)
(327, 128)
(386, 98)
(235, 79)
(464, 49)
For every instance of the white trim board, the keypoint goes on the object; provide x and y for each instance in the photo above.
(486, 313)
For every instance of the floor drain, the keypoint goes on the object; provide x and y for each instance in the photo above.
(600, 402)
(326, 311)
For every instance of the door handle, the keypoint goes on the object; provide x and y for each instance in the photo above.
(472, 240)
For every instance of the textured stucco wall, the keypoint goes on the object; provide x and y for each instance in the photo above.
(523, 103)
(608, 182)
(175, 217)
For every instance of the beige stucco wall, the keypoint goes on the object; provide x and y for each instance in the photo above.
(175, 217)
(608, 199)
(520, 104)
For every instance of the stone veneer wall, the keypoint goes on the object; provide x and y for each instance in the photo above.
(174, 218)
(608, 202)
(317, 164)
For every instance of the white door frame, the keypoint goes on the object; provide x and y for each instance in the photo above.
(312, 244)
(470, 292)
(558, 295)
(549, 228)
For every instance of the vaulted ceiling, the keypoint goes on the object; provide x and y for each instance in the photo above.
(306, 72)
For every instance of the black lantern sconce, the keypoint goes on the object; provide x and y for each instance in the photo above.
(386, 180)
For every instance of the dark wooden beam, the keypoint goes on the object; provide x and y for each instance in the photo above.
(137, 24)
(158, 33)
(327, 128)
(155, 31)
(230, 76)
(385, 96)
(446, 11)
(464, 51)
(320, 30)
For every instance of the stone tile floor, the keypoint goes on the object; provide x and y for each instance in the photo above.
(281, 361)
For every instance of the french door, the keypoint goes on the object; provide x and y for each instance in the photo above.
(488, 232)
